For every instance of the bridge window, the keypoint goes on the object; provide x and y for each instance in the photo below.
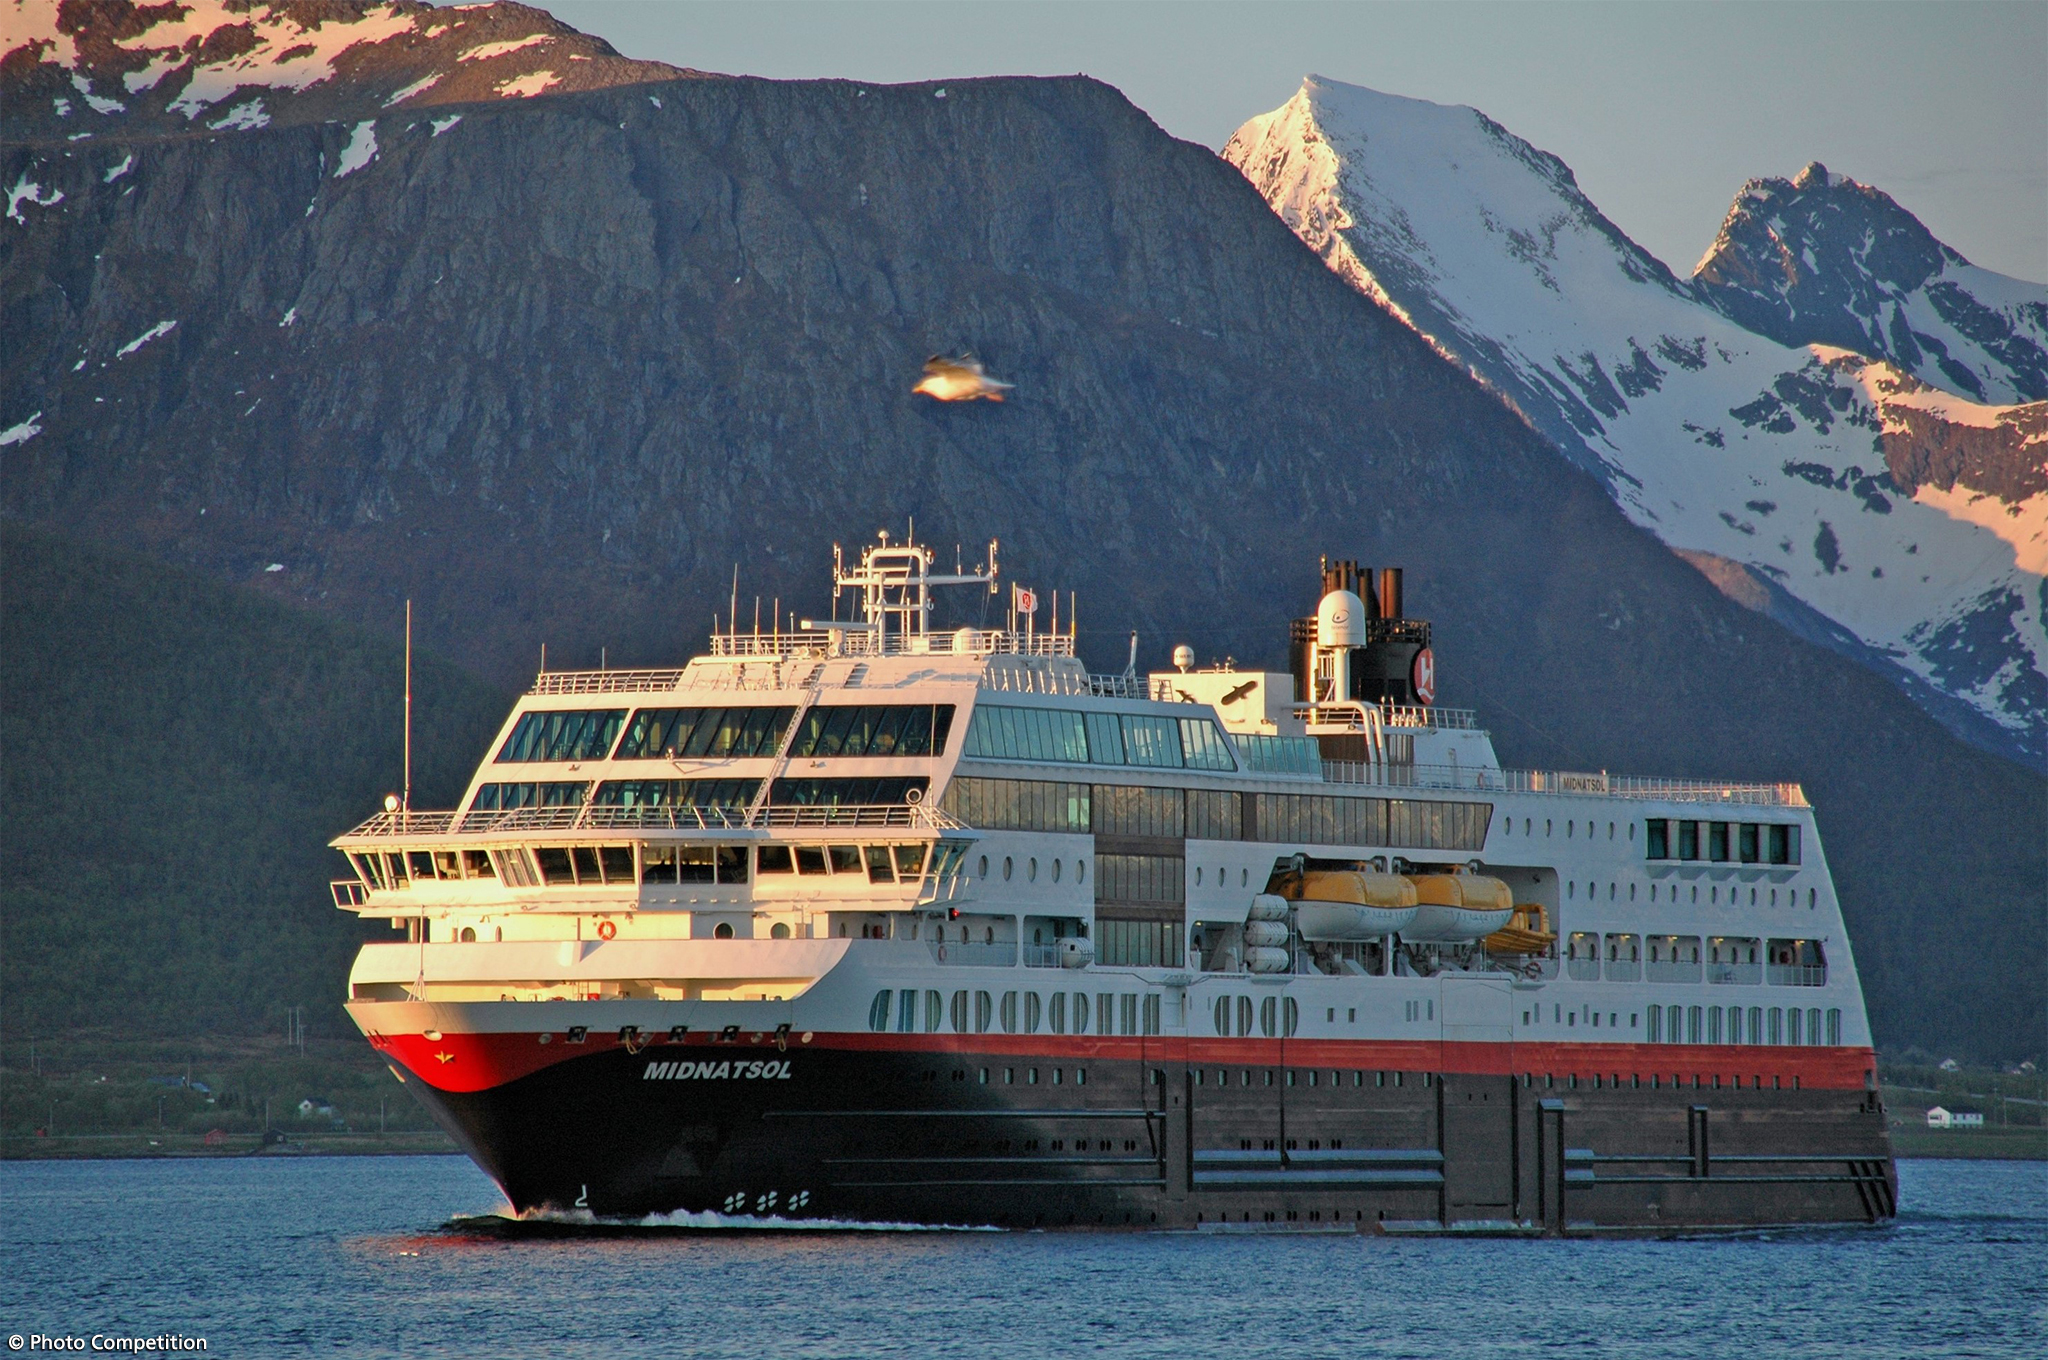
(1717, 840)
(1784, 844)
(847, 792)
(878, 1013)
(873, 730)
(510, 797)
(775, 859)
(562, 734)
(668, 733)
(1657, 838)
(703, 793)
(1688, 840)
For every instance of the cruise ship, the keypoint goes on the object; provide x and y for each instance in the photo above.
(877, 921)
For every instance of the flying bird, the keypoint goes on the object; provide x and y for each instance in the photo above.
(961, 379)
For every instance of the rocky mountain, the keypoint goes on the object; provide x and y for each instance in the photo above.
(1821, 259)
(554, 369)
(74, 70)
(1861, 507)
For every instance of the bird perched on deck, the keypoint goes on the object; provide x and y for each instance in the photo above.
(961, 379)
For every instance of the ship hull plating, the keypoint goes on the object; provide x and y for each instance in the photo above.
(1165, 1139)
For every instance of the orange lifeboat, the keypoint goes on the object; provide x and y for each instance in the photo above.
(1349, 904)
(1452, 908)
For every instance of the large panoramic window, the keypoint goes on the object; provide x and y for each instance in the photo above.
(1018, 804)
(562, 734)
(874, 730)
(506, 797)
(846, 792)
(1061, 736)
(704, 733)
(721, 793)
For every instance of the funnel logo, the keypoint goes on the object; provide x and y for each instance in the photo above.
(1422, 676)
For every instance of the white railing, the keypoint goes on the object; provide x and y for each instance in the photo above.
(1034, 680)
(1352, 717)
(1562, 782)
(605, 682)
(859, 641)
(644, 817)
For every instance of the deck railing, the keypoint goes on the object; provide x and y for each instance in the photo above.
(1598, 784)
(605, 682)
(855, 641)
(658, 817)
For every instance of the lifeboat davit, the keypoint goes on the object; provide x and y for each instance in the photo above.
(1458, 907)
(1349, 904)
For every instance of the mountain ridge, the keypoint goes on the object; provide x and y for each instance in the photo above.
(1701, 430)
(72, 70)
(1823, 259)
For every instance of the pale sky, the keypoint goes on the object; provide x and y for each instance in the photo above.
(1661, 109)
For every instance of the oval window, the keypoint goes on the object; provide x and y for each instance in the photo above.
(1055, 871)
(724, 931)
(780, 931)
(1198, 875)
(1081, 872)
(981, 870)
(1031, 870)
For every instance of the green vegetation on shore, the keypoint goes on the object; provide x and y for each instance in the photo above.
(100, 1095)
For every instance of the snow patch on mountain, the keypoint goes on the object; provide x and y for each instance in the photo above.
(309, 61)
(1868, 509)
(360, 151)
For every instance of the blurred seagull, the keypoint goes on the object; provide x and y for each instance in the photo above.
(960, 379)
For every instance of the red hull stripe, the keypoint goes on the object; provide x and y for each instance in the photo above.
(478, 1062)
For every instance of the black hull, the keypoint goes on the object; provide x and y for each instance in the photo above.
(1030, 1142)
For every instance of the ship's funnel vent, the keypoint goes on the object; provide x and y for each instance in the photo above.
(1359, 645)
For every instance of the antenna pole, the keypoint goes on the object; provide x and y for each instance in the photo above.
(406, 802)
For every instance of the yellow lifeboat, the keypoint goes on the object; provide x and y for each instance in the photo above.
(1452, 908)
(1527, 932)
(1349, 904)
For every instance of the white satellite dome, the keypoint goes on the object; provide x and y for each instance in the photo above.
(1340, 620)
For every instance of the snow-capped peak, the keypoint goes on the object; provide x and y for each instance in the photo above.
(1823, 259)
(1868, 510)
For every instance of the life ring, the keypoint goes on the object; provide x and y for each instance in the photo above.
(605, 930)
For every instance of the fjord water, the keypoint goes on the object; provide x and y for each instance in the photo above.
(353, 1256)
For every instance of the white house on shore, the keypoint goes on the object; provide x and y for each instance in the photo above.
(1961, 1117)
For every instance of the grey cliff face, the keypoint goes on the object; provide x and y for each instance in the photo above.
(553, 369)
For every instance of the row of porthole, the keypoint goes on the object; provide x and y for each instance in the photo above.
(1031, 869)
(1244, 877)
(1571, 892)
(1570, 828)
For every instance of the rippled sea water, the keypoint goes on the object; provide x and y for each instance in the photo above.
(353, 1256)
